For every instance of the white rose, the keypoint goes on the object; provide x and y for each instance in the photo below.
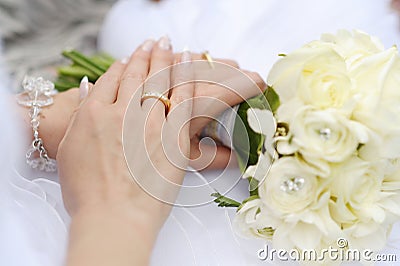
(317, 75)
(260, 170)
(391, 190)
(356, 190)
(322, 134)
(354, 46)
(378, 105)
(295, 233)
(367, 235)
(289, 188)
(252, 220)
(392, 172)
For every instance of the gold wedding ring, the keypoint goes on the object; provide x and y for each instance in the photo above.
(158, 96)
(206, 56)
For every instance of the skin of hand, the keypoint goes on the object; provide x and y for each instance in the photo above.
(114, 221)
(55, 118)
(396, 5)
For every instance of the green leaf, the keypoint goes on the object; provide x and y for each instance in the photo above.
(77, 72)
(253, 197)
(225, 201)
(267, 231)
(272, 98)
(247, 143)
(253, 186)
(103, 60)
(84, 61)
(61, 85)
(92, 67)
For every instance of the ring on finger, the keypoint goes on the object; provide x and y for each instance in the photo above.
(158, 96)
(206, 56)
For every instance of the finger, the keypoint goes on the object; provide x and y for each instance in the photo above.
(228, 62)
(135, 73)
(183, 89)
(182, 102)
(257, 79)
(85, 88)
(178, 119)
(158, 81)
(205, 156)
(196, 56)
(106, 87)
(236, 88)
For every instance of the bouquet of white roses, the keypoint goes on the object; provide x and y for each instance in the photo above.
(330, 166)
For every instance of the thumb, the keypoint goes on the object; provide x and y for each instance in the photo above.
(204, 156)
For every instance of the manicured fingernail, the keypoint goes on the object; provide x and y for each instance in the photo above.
(186, 55)
(125, 60)
(84, 87)
(148, 45)
(164, 43)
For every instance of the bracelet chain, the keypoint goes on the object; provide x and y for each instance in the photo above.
(37, 94)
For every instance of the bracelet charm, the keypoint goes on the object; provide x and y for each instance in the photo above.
(37, 94)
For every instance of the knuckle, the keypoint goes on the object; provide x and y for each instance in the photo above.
(162, 56)
(91, 108)
(132, 77)
(155, 84)
(108, 78)
(140, 55)
(177, 99)
(256, 78)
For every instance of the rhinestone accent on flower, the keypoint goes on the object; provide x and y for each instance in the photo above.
(292, 184)
(325, 133)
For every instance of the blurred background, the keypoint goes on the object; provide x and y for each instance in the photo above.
(252, 32)
(35, 32)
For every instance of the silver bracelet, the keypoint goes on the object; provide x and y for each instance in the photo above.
(38, 93)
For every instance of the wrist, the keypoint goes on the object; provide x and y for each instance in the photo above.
(128, 214)
(55, 119)
(110, 235)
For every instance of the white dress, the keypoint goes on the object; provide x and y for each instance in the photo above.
(33, 222)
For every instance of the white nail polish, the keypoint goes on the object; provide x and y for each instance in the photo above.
(125, 60)
(186, 56)
(84, 87)
(164, 43)
(148, 45)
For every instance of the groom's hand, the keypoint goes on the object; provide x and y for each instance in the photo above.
(212, 99)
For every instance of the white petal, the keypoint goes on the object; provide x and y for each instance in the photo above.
(261, 121)
(260, 170)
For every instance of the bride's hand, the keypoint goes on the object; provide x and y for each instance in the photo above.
(91, 160)
(121, 154)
